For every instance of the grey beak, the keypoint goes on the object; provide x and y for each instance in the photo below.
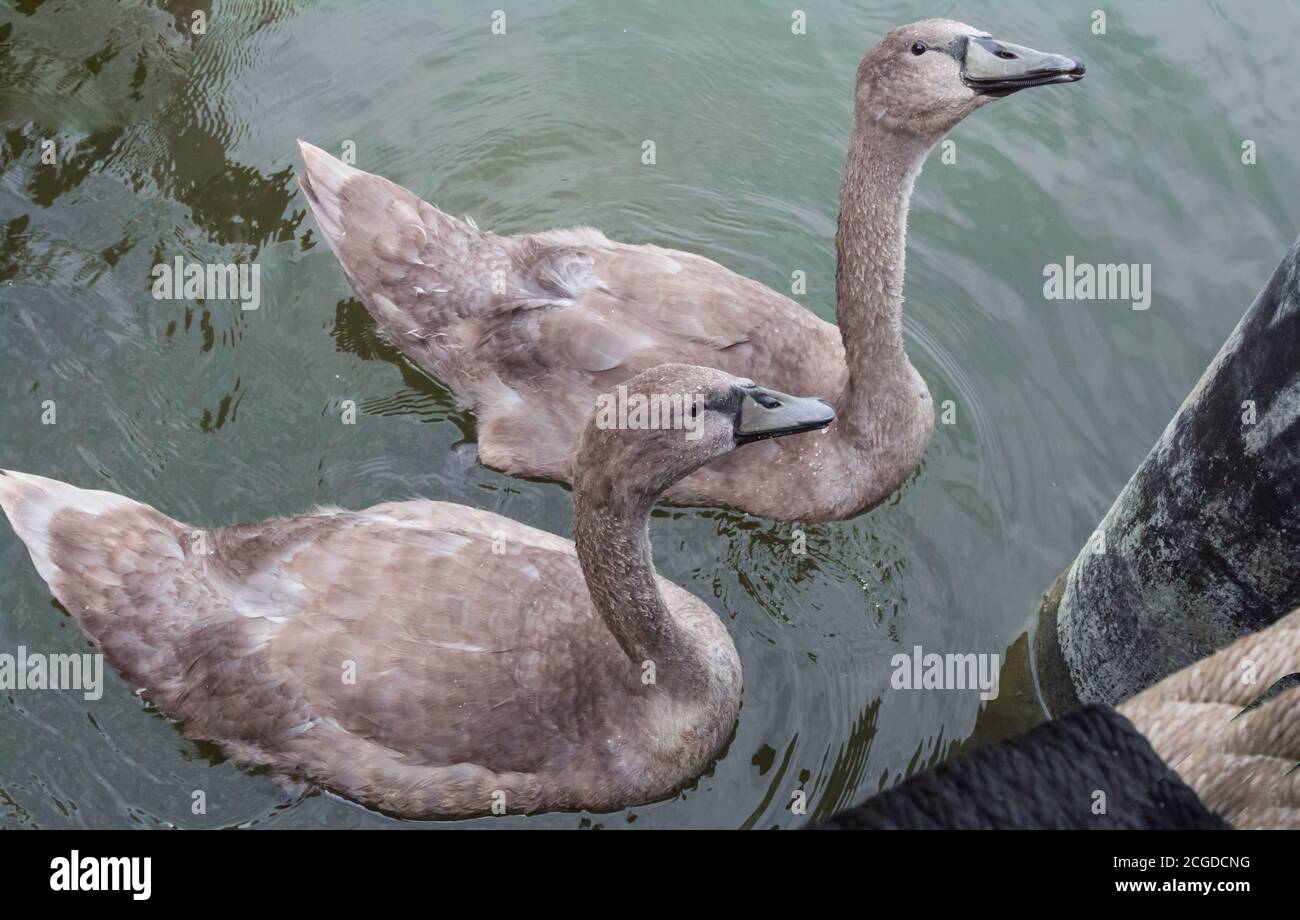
(994, 68)
(771, 414)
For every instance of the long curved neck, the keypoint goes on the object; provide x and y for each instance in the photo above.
(611, 531)
(870, 245)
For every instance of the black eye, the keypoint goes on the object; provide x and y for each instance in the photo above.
(919, 48)
(1006, 55)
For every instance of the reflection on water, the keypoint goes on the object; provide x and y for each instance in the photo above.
(174, 144)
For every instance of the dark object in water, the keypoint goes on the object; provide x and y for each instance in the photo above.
(1048, 778)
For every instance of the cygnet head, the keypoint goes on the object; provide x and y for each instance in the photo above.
(667, 422)
(923, 78)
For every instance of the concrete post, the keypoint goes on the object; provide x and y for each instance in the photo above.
(1203, 544)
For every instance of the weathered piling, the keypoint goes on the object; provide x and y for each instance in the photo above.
(1203, 544)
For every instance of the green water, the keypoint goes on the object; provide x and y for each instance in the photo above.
(174, 144)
